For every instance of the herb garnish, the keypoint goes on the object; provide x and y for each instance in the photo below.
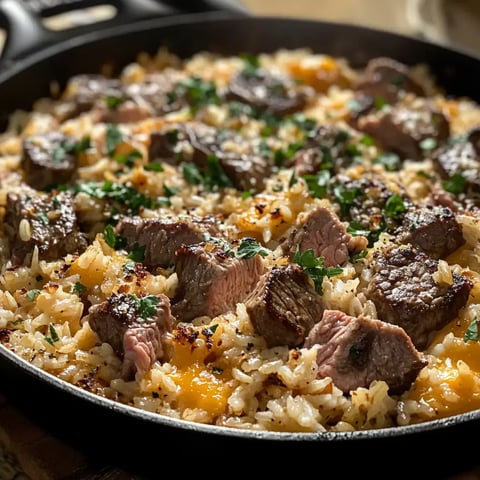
(53, 335)
(249, 247)
(113, 138)
(79, 288)
(137, 253)
(196, 91)
(33, 294)
(471, 333)
(455, 184)
(112, 239)
(146, 306)
(314, 267)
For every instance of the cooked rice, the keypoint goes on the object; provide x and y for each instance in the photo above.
(39, 298)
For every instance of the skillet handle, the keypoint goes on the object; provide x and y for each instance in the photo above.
(26, 33)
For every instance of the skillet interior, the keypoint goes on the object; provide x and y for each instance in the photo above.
(119, 433)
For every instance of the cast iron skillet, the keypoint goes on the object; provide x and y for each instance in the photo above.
(146, 443)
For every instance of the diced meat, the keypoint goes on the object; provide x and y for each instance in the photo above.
(213, 151)
(403, 130)
(324, 233)
(156, 93)
(461, 158)
(48, 159)
(45, 221)
(324, 150)
(432, 229)
(211, 281)
(270, 93)
(405, 293)
(86, 90)
(354, 352)
(126, 112)
(284, 306)
(387, 79)
(137, 328)
(162, 237)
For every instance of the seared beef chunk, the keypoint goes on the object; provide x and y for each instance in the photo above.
(210, 149)
(124, 103)
(432, 229)
(268, 92)
(356, 351)
(284, 306)
(323, 232)
(211, 281)
(327, 149)
(404, 130)
(45, 221)
(85, 91)
(368, 204)
(161, 237)
(157, 93)
(48, 159)
(388, 80)
(461, 159)
(405, 293)
(137, 329)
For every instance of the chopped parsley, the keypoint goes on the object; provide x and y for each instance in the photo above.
(390, 161)
(213, 177)
(455, 184)
(154, 167)
(33, 294)
(196, 91)
(137, 253)
(314, 267)
(79, 288)
(113, 138)
(112, 239)
(317, 184)
(249, 247)
(428, 144)
(113, 102)
(129, 158)
(53, 335)
(394, 207)
(471, 333)
(146, 306)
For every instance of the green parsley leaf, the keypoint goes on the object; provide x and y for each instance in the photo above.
(154, 167)
(196, 91)
(314, 267)
(455, 184)
(390, 161)
(112, 239)
(113, 137)
(317, 184)
(79, 288)
(428, 144)
(137, 253)
(129, 267)
(394, 207)
(129, 158)
(53, 335)
(146, 306)
(33, 294)
(249, 247)
(113, 102)
(191, 174)
(472, 331)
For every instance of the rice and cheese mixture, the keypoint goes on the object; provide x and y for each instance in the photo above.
(340, 205)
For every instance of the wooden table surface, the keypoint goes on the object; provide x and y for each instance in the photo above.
(29, 451)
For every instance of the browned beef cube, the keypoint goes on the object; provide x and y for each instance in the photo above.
(326, 149)
(48, 159)
(356, 351)
(45, 221)
(284, 306)
(211, 281)
(405, 293)
(137, 329)
(432, 229)
(462, 159)
(403, 130)
(323, 232)
(162, 237)
(268, 92)
(387, 79)
(84, 91)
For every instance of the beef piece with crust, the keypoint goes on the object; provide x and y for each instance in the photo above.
(432, 229)
(322, 231)
(45, 221)
(211, 281)
(402, 130)
(356, 351)
(284, 306)
(405, 293)
(268, 92)
(162, 237)
(48, 159)
(136, 328)
(387, 79)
